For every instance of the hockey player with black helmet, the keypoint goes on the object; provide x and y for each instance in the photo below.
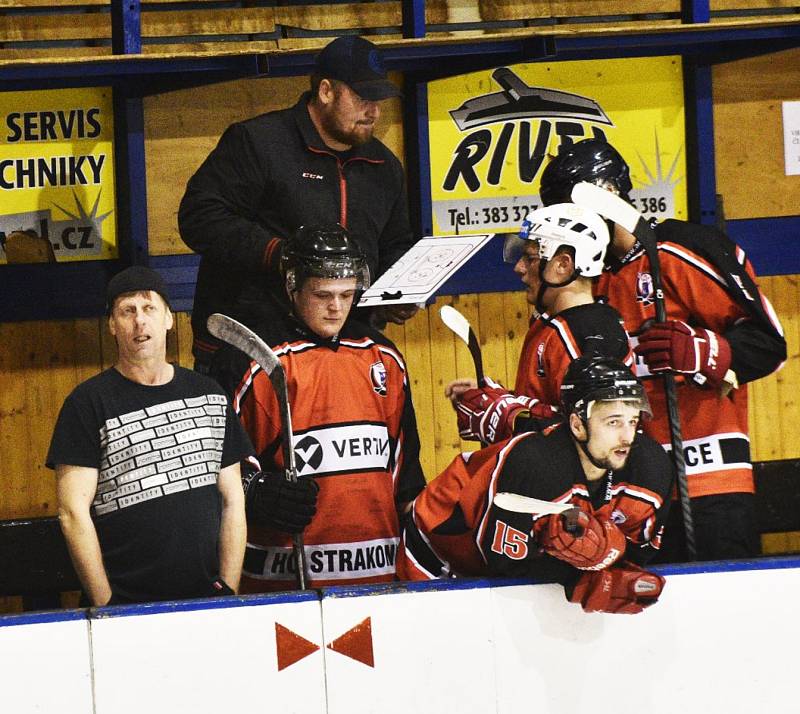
(719, 334)
(558, 255)
(353, 419)
(617, 480)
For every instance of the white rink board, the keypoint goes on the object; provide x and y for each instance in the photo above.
(718, 643)
(207, 661)
(721, 641)
(45, 667)
(432, 653)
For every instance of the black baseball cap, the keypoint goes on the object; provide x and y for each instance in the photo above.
(133, 280)
(359, 64)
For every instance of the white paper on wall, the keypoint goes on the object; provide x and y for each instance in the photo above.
(791, 137)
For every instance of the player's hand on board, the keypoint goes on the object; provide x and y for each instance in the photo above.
(624, 588)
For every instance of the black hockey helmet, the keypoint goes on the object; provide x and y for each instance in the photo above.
(592, 160)
(596, 378)
(323, 251)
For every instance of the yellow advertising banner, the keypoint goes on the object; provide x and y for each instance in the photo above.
(57, 195)
(491, 133)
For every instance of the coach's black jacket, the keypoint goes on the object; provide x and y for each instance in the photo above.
(268, 176)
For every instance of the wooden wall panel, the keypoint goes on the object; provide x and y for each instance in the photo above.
(40, 363)
(718, 5)
(76, 26)
(175, 23)
(341, 17)
(775, 400)
(748, 135)
(595, 8)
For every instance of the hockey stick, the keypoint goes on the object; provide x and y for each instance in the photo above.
(235, 333)
(517, 503)
(459, 324)
(616, 209)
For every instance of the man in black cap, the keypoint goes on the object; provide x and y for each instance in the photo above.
(146, 456)
(316, 162)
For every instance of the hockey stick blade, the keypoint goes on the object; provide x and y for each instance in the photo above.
(517, 503)
(243, 338)
(459, 324)
(607, 204)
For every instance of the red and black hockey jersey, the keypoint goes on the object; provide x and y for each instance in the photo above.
(551, 343)
(707, 282)
(355, 432)
(455, 529)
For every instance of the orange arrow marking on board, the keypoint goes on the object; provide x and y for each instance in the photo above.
(356, 643)
(291, 647)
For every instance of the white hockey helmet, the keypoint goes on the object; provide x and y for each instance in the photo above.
(565, 224)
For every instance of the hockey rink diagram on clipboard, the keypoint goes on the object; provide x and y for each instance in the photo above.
(423, 269)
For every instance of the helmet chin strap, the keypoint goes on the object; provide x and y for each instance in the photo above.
(544, 284)
(584, 446)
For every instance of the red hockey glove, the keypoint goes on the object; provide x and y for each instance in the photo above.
(487, 414)
(677, 346)
(626, 589)
(593, 545)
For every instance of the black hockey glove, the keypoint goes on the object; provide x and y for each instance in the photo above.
(274, 502)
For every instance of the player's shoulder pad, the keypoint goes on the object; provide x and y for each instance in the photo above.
(649, 465)
(597, 327)
(707, 241)
(541, 465)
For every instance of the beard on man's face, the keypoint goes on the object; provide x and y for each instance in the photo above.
(352, 134)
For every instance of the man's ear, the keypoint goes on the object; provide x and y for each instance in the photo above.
(577, 427)
(111, 327)
(170, 319)
(564, 264)
(326, 92)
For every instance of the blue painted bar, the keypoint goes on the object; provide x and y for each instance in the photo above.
(423, 161)
(126, 27)
(81, 72)
(771, 244)
(703, 129)
(38, 618)
(217, 603)
(131, 216)
(695, 11)
(413, 18)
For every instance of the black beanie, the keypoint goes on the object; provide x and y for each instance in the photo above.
(133, 280)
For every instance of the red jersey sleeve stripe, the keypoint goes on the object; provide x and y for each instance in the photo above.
(244, 386)
(562, 328)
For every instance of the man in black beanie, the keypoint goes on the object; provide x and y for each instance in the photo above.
(146, 456)
(315, 163)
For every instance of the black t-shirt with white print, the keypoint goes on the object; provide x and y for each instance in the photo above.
(158, 450)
